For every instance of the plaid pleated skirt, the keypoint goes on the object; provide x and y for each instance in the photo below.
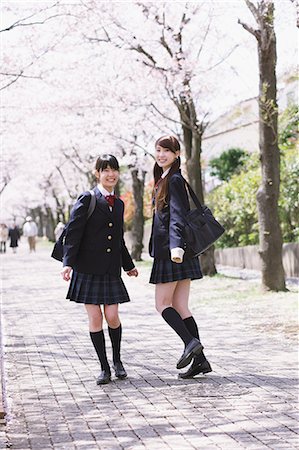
(165, 271)
(95, 289)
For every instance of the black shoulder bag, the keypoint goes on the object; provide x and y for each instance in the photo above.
(57, 252)
(201, 229)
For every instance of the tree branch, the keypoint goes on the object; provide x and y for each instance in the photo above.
(165, 45)
(6, 180)
(163, 22)
(17, 76)
(21, 73)
(223, 59)
(164, 115)
(73, 161)
(20, 21)
(7, 74)
(204, 39)
(253, 9)
(140, 49)
(251, 30)
(96, 39)
(17, 24)
(64, 181)
(132, 142)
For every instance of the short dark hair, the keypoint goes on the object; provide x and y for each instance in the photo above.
(106, 160)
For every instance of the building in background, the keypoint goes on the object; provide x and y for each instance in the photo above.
(239, 127)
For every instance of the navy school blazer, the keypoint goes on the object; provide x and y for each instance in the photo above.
(168, 223)
(96, 245)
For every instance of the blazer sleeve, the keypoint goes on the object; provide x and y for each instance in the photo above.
(178, 208)
(75, 229)
(127, 263)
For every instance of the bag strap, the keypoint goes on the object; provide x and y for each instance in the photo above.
(194, 196)
(92, 203)
(91, 208)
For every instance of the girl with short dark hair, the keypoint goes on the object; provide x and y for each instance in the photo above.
(94, 253)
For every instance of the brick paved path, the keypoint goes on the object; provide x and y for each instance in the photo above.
(248, 401)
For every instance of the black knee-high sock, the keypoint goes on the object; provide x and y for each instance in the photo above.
(115, 336)
(98, 340)
(193, 329)
(172, 317)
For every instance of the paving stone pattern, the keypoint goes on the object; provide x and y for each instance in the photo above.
(52, 401)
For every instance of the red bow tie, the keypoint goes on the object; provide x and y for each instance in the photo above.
(110, 199)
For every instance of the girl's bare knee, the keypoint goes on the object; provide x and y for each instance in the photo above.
(162, 304)
(95, 317)
(111, 316)
(159, 308)
(164, 295)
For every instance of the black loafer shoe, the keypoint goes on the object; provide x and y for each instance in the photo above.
(193, 348)
(104, 377)
(196, 369)
(119, 370)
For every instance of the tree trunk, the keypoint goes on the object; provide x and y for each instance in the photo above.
(270, 237)
(37, 215)
(207, 262)
(192, 144)
(193, 166)
(138, 222)
(50, 225)
(273, 277)
(60, 208)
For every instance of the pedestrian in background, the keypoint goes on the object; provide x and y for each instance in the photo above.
(3, 237)
(172, 269)
(95, 252)
(30, 231)
(58, 230)
(14, 235)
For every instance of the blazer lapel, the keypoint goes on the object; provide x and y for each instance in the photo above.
(117, 208)
(102, 203)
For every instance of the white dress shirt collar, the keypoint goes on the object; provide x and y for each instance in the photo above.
(104, 191)
(165, 173)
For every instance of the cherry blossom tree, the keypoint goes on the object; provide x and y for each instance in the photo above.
(172, 58)
(24, 67)
(104, 78)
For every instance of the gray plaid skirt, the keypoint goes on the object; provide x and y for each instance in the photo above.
(97, 289)
(165, 271)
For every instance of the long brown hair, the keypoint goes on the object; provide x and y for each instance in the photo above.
(161, 193)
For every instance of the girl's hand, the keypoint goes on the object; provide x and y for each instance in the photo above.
(133, 272)
(177, 260)
(66, 273)
(177, 255)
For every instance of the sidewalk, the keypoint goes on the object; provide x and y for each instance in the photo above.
(52, 401)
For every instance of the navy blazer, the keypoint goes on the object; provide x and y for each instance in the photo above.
(168, 223)
(96, 245)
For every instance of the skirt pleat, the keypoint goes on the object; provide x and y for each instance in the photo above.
(165, 271)
(78, 289)
(97, 289)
